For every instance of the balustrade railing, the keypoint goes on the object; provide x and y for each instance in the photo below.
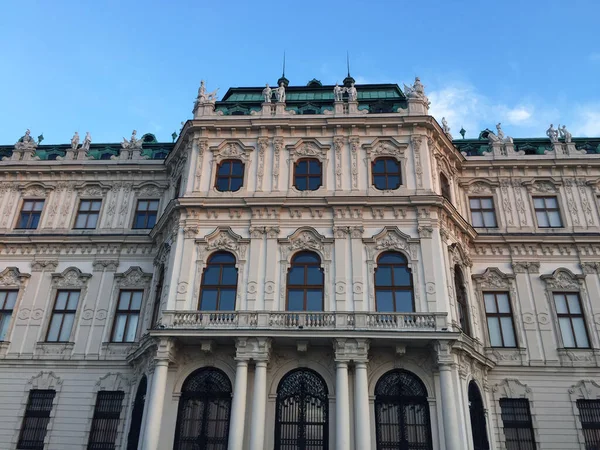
(297, 320)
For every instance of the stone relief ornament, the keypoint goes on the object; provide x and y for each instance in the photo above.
(232, 149)
(338, 91)
(563, 279)
(587, 389)
(113, 382)
(225, 239)
(493, 278)
(511, 388)
(12, 276)
(133, 277)
(45, 380)
(71, 277)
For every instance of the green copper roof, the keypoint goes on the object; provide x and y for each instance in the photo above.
(530, 146)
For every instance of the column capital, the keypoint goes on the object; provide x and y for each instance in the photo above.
(255, 348)
(443, 349)
(166, 350)
(347, 350)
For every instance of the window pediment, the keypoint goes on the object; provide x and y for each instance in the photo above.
(511, 388)
(586, 389)
(542, 185)
(92, 189)
(385, 147)
(35, 190)
(308, 148)
(306, 238)
(12, 277)
(563, 278)
(232, 149)
(391, 238)
(479, 186)
(133, 277)
(71, 277)
(493, 278)
(223, 238)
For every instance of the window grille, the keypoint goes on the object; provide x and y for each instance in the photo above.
(518, 427)
(589, 414)
(105, 423)
(35, 421)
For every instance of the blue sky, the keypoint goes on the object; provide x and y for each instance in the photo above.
(111, 66)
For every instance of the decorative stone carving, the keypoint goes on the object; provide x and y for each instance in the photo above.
(347, 350)
(354, 146)
(586, 389)
(257, 349)
(542, 186)
(12, 277)
(306, 239)
(40, 265)
(589, 268)
(45, 380)
(223, 238)
(511, 388)
(231, 149)
(416, 91)
(389, 238)
(563, 279)
(71, 277)
(113, 382)
(149, 190)
(26, 143)
(384, 146)
(110, 265)
(134, 277)
(133, 142)
(493, 278)
(552, 133)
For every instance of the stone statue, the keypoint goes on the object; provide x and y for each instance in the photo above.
(203, 96)
(26, 142)
(75, 141)
(87, 141)
(352, 93)
(501, 136)
(445, 126)
(564, 134)
(280, 93)
(338, 92)
(202, 92)
(417, 90)
(552, 133)
(133, 142)
(267, 93)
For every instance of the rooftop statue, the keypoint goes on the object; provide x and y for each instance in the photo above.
(417, 90)
(280, 93)
(267, 93)
(552, 133)
(87, 141)
(26, 142)
(445, 127)
(501, 136)
(133, 142)
(75, 141)
(338, 91)
(564, 133)
(205, 97)
(352, 93)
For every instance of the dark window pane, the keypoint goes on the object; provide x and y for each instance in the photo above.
(223, 184)
(211, 275)
(391, 258)
(379, 166)
(314, 276)
(385, 301)
(222, 257)
(402, 276)
(315, 166)
(383, 276)
(227, 300)
(306, 257)
(296, 275)
(236, 184)
(237, 168)
(314, 184)
(314, 300)
(229, 276)
(301, 184)
(224, 168)
(295, 300)
(380, 182)
(151, 220)
(404, 301)
(302, 168)
(209, 300)
(393, 182)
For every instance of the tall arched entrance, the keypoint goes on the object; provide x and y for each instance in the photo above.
(477, 413)
(137, 414)
(204, 411)
(302, 412)
(402, 412)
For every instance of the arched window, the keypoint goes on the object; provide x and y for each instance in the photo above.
(230, 175)
(302, 412)
(136, 415)
(305, 283)
(219, 283)
(308, 174)
(445, 187)
(204, 410)
(393, 284)
(402, 412)
(477, 412)
(461, 300)
(386, 173)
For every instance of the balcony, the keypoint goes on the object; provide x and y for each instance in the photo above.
(315, 322)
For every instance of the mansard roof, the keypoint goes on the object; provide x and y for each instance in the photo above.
(530, 146)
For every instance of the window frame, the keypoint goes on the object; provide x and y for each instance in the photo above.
(6, 315)
(64, 312)
(498, 315)
(137, 210)
(546, 210)
(308, 175)
(385, 173)
(220, 286)
(570, 316)
(29, 413)
(305, 287)
(100, 418)
(21, 212)
(128, 313)
(88, 213)
(230, 176)
(392, 287)
(482, 210)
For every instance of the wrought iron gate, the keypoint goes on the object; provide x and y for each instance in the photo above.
(302, 413)
(402, 412)
(204, 411)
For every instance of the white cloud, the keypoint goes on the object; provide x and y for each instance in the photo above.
(519, 114)
(587, 121)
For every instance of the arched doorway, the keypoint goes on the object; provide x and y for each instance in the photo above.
(204, 411)
(137, 414)
(477, 412)
(302, 412)
(402, 412)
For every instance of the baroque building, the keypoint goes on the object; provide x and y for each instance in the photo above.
(306, 267)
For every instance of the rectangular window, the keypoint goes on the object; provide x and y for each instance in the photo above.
(499, 319)
(35, 421)
(482, 212)
(105, 424)
(87, 215)
(145, 214)
(547, 212)
(127, 316)
(518, 427)
(7, 304)
(63, 316)
(571, 320)
(30, 214)
(589, 413)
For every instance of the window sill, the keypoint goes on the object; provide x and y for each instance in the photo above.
(576, 357)
(506, 355)
(117, 350)
(53, 350)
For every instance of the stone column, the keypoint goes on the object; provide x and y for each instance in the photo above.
(156, 399)
(238, 406)
(259, 404)
(342, 407)
(362, 411)
(449, 415)
(258, 349)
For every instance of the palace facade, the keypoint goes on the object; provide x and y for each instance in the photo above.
(302, 269)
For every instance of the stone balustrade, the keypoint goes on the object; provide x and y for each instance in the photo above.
(293, 320)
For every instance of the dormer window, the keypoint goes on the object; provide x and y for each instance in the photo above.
(230, 175)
